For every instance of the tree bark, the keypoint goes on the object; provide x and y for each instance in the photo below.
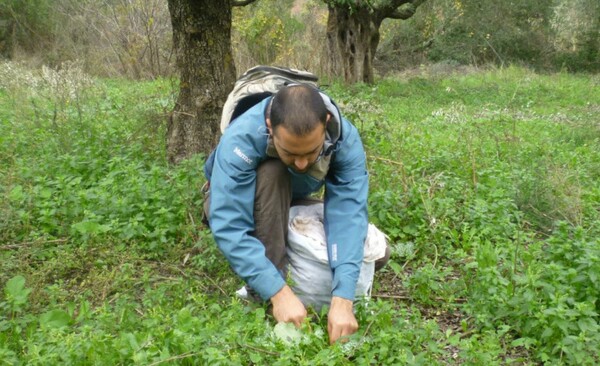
(202, 43)
(353, 34)
(352, 40)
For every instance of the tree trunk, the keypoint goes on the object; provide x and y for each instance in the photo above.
(202, 43)
(7, 37)
(352, 39)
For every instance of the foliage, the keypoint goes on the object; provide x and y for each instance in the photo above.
(288, 39)
(577, 28)
(129, 38)
(543, 34)
(552, 303)
(485, 182)
(500, 185)
(77, 183)
(125, 37)
(263, 36)
(133, 38)
(29, 24)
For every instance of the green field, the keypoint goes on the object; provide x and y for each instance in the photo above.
(486, 181)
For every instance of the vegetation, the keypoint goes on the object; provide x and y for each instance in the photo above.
(486, 181)
(134, 38)
(546, 35)
(212, 42)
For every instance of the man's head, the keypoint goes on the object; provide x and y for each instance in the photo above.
(297, 124)
(298, 108)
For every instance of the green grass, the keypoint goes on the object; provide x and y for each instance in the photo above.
(487, 184)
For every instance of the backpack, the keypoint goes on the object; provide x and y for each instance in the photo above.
(258, 83)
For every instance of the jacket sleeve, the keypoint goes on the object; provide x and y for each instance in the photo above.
(231, 216)
(346, 220)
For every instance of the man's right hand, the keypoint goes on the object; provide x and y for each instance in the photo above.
(287, 307)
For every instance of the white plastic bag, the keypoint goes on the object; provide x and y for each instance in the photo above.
(308, 263)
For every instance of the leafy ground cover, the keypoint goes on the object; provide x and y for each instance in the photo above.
(487, 183)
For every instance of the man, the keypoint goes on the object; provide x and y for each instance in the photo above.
(279, 151)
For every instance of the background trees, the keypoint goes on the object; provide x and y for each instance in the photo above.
(536, 33)
(126, 38)
(576, 27)
(351, 40)
(133, 38)
(25, 26)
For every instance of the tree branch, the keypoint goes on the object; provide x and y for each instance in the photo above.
(242, 2)
(405, 12)
(19, 245)
(178, 357)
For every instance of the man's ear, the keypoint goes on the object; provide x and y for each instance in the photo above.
(269, 126)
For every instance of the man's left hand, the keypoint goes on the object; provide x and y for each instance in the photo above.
(341, 320)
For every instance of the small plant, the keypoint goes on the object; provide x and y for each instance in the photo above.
(13, 319)
(15, 295)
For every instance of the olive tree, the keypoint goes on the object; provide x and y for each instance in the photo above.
(202, 43)
(353, 33)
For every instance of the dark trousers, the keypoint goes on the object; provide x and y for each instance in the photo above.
(272, 203)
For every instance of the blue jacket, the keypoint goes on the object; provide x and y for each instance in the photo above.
(231, 170)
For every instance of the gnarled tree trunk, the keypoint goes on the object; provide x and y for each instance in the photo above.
(353, 34)
(352, 39)
(201, 38)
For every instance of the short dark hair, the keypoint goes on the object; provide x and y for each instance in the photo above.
(299, 108)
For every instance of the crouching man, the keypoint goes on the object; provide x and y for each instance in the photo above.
(270, 157)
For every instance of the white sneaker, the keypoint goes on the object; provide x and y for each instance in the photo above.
(248, 294)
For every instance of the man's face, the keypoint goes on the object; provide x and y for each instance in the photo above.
(298, 152)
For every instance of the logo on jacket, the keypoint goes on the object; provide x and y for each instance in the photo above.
(239, 153)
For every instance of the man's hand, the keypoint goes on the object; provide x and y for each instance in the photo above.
(287, 307)
(341, 320)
